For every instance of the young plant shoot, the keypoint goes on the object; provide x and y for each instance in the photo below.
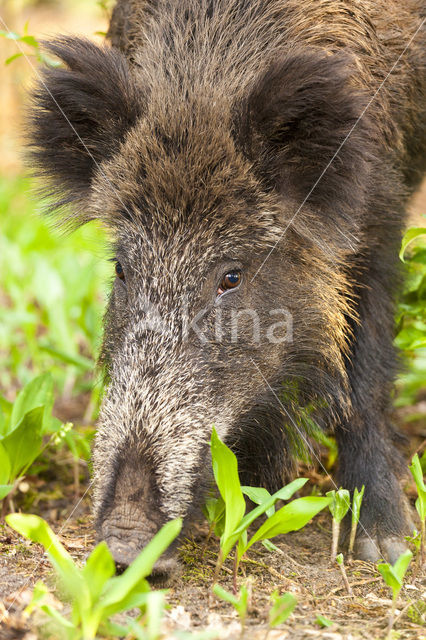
(282, 607)
(95, 592)
(356, 510)
(416, 472)
(340, 562)
(393, 575)
(22, 427)
(340, 502)
(234, 532)
(240, 603)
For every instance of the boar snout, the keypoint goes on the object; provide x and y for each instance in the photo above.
(127, 531)
(124, 550)
(129, 517)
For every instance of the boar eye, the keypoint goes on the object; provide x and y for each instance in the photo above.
(119, 271)
(230, 280)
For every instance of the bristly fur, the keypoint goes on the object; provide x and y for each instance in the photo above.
(78, 117)
(268, 137)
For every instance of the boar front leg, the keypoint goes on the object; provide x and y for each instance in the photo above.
(367, 441)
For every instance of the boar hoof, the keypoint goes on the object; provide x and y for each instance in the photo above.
(371, 550)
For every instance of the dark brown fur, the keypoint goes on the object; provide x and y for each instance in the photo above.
(218, 131)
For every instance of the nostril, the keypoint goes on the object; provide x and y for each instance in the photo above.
(159, 579)
(164, 570)
(120, 567)
(125, 551)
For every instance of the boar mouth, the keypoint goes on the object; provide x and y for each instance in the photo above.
(125, 549)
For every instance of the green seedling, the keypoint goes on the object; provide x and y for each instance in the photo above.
(323, 622)
(393, 575)
(423, 462)
(356, 511)
(416, 472)
(234, 532)
(22, 427)
(240, 603)
(340, 562)
(340, 502)
(415, 540)
(259, 495)
(214, 511)
(282, 607)
(95, 593)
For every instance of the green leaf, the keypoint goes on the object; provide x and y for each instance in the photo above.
(85, 364)
(98, 569)
(393, 575)
(410, 338)
(388, 576)
(417, 473)
(135, 598)
(356, 504)
(410, 235)
(213, 509)
(40, 592)
(37, 393)
(4, 465)
(282, 608)
(285, 493)
(339, 559)
(155, 606)
(225, 469)
(30, 41)
(110, 629)
(5, 415)
(423, 462)
(240, 604)
(291, 517)
(323, 622)
(10, 35)
(120, 588)
(5, 489)
(259, 495)
(225, 595)
(401, 565)
(12, 58)
(25, 442)
(340, 503)
(60, 620)
(36, 529)
(270, 546)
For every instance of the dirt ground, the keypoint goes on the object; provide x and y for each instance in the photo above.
(301, 566)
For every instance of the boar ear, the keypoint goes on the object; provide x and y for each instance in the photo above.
(79, 115)
(295, 119)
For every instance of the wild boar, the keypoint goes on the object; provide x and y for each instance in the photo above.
(252, 160)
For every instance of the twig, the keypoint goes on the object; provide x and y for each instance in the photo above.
(283, 553)
(401, 613)
(354, 584)
(234, 573)
(345, 578)
(210, 531)
(391, 620)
